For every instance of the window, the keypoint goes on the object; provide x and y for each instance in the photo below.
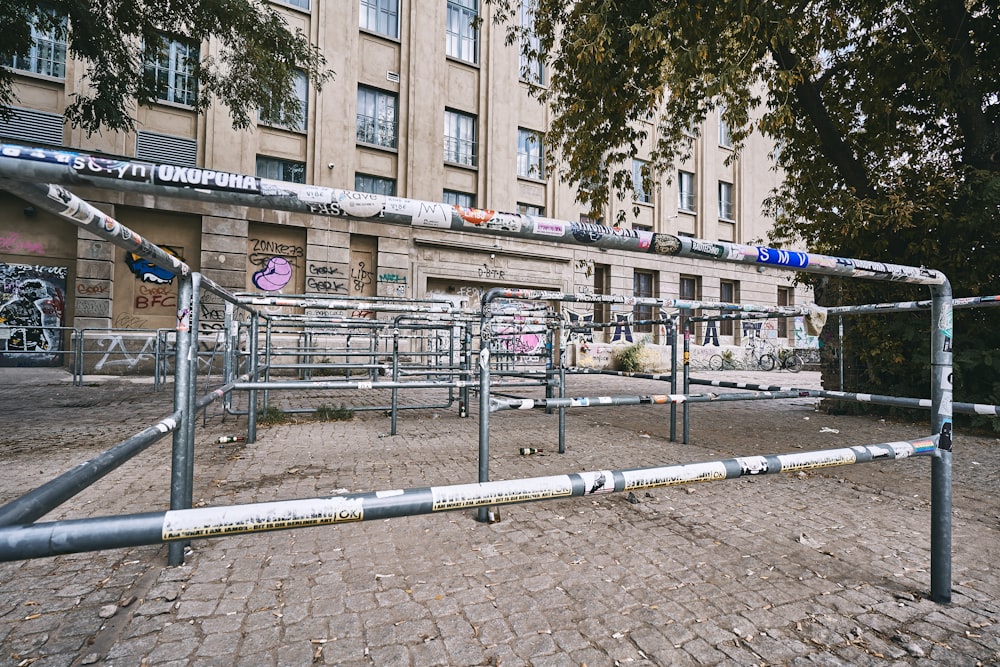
(685, 191)
(462, 33)
(643, 286)
(532, 65)
(530, 161)
(301, 4)
(725, 200)
(602, 285)
(381, 16)
(376, 117)
(456, 198)
(170, 70)
(725, 140)
(47, 54)
(530, 209)
(785, 298)
(281, 170)
(729, 292)
(591, 220)
(459, 138)
(375, 184)
(301, 90)
(640, 178)
(689, 289)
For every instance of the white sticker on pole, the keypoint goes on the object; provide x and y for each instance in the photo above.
(498, 493)
(672, 475)
(218, 521)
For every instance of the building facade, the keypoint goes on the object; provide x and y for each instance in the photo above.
(424, 105)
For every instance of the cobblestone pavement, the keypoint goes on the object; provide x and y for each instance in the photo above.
(826, 567)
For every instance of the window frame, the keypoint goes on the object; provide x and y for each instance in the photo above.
(461, 33)
(725, 134)
(458, 198)
(51, 43)
(388, 184)
(786, 297)
(644, 285)
(380, 9)
(531, 65)
(460, 122)
(282, 164)
(176, 66)
(726, 202)
(535, 210)
(302, 93)
(686, 200)
(378, 97)
(530, 142)
(639, 193)
(726, 327)
(684, 281)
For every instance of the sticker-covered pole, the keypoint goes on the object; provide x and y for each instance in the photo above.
(182, 387)
(941, 424)
(484, 424)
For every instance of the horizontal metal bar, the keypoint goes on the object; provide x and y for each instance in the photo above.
(71, 536)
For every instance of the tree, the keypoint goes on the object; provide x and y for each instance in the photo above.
(259, 57)
(886, 118)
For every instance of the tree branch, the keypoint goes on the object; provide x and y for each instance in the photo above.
(831, 139)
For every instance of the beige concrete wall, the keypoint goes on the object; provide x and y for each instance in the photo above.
(220, 240)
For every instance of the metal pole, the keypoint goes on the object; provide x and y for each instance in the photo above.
(840, 349)
(687, 380)
(395, 376)
(484, 422)
(182, 386)
(253, 369)
(672, 338)
(941, 387)
(562, 410)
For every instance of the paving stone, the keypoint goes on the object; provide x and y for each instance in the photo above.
(664, 581)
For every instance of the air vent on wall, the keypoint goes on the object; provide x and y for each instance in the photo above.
(33, 127)
(157, 147)
(392, 76)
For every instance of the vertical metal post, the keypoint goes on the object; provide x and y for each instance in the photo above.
(672, 339)
(253, 368)
(466, 367)
(687, 379)
(840, 349)
(562, 410)
(941, 398)
(268, 346)
(395, 377)
(192, 392)
(182, 387)
(484, 421)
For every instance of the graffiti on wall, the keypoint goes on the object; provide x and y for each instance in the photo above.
(579, 329)
(276, 261)
(325, 279)
(623, 328)
(32, 298)
(392, 284)
(15, 244)
(147, 272)
(361, 276)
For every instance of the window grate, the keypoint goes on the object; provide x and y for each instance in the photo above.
(33, 127)
(166, 148)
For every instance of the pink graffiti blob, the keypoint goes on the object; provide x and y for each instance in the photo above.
(274, 275)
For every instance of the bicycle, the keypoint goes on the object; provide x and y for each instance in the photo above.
(755, 353)
(786, 360)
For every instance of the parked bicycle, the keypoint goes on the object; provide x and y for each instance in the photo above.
(756, 354)
(785, 360)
